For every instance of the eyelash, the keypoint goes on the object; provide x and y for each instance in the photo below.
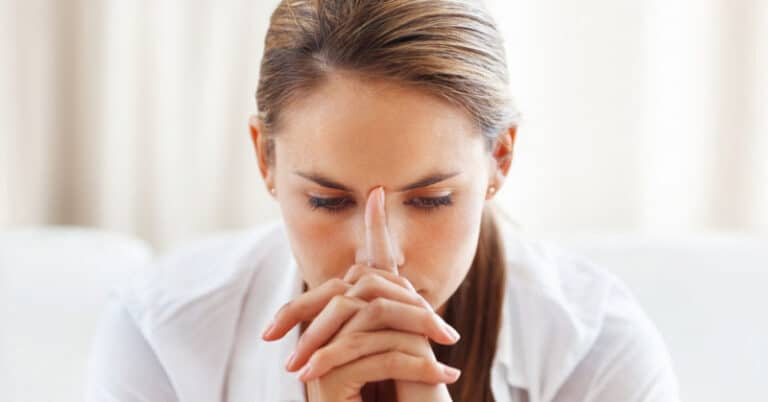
(337, 205)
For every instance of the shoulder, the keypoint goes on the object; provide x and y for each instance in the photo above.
(543, 275)
(121, 364)
(187, 304)
(571, 319)
(209, 273)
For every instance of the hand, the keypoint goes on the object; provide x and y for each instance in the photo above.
(375, 322)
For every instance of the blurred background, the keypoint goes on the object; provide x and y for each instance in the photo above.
(638, 116)
(643, 146)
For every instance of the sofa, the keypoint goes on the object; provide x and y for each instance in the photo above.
(707, 294)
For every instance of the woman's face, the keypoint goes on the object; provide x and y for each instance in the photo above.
(349, 137)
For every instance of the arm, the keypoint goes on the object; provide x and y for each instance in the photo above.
(122, 366)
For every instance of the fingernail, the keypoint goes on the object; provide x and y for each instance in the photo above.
(268, 330)
(451, 332)
(452, 373)
(290, 361)
(305, 372)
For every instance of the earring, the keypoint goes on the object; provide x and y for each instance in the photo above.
(491, 191)
(273, 191)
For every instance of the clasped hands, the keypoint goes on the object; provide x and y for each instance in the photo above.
(372, 325)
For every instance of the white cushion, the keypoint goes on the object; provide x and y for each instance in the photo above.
(708, 296)
(53, 285)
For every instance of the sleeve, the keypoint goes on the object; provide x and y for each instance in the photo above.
(122, 366)
(628, 362)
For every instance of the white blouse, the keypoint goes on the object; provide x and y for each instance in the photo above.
(188, 328)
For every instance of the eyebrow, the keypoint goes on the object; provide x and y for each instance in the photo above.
(423, 182)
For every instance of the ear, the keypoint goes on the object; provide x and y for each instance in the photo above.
(261, 144)
(501, 154)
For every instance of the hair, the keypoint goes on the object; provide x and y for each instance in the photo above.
(451, 49)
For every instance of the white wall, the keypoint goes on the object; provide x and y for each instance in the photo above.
(642, 116)
(639, 116)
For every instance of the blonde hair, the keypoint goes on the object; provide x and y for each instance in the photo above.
(451, 49)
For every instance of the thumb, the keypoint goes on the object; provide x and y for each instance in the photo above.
(377, 240)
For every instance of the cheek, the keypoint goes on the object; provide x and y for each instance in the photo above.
(443, 246)
(319, 244)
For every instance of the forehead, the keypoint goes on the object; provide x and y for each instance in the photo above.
(353, 123)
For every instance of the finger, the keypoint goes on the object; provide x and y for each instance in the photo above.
(389, 314)
(338, 311)
(309, 304)
(377, 239)
(349, 348)
(398, 366)
(372, 285)
(304, 308)
(357, 271)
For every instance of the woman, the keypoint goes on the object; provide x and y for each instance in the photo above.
(384, 128)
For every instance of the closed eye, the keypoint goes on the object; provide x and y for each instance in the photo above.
(332, 205)
(429, 204)
(340, 204)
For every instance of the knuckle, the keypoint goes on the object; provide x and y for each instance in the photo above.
(338, 285)
(429, 320)
(374, 312)
(320, 356)
(354, 291)
(369, 279)
(338, 302)
(426, 367)
(377, 306)
(355, 272)
(391, 362)
(354, 341)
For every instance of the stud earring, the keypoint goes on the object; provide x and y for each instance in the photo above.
(273, 191)
(491, 190)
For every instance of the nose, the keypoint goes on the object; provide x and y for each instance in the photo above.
(379, 246)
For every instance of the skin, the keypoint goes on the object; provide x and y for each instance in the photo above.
(391, 253)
